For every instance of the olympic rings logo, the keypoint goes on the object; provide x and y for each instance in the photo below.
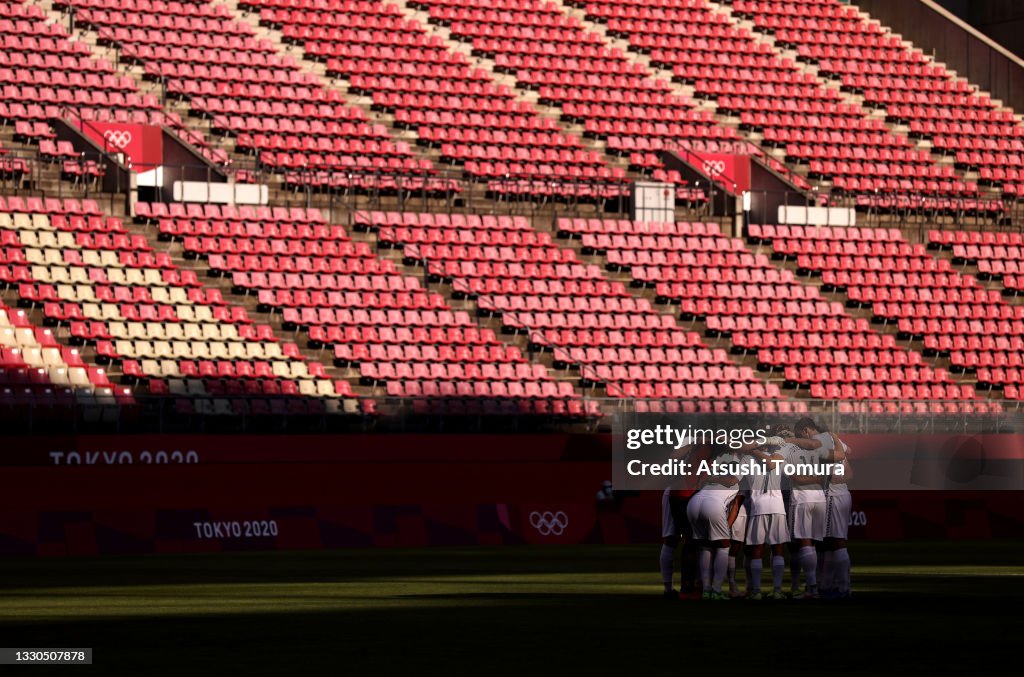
(714, 167)
(549, 523)
(118, 138)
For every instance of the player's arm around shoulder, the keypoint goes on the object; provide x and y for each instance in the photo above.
(734, 509)
(791, 457)
(752, 447)
(776, 459)
(842, 455)
(804, 443)
(838, 449)
(727, 480)
(847, 473)
(682, 452)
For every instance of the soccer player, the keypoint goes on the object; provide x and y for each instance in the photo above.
(807, 518)
(836, 570)
(738, 535)
(711, 512)
(675, 531)
(766, 524)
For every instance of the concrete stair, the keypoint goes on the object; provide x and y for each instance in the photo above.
(656, 72)
(469, 304)
(640, 290)
(319, 71)
(832, 83)
(522, 93)
(136, 72)
(856, 310)
(202, 270)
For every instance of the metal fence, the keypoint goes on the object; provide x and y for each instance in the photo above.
(234, 414)
(340, 189)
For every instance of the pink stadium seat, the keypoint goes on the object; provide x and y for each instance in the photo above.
(398, 336)
(922, 296)
(909, 86)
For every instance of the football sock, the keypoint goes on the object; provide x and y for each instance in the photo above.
(665, 563)
(688, 566)
(704, 564)
(754, 582)
(809, 563)
(778, 569)
(841, 565)
(827, 578)
(721, 564)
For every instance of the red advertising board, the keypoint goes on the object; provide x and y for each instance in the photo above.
(141, 144)
(108, 495)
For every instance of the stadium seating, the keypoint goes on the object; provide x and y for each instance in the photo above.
(400, 336)
(908, 85)
(12, 169)
(573, 68)
(765, 311)
(475, 122)
(921, 295)
(274, 110)
(39, 378)
(151, 325)
(614, 340)
(770, 95)
(998, 255)
(46, 74)
(157, 321)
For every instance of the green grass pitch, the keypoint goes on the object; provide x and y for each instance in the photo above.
(926, 607)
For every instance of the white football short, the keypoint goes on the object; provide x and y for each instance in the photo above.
(674, 521)
(807, 520)
(739, 527)
(837, 520)
(709, 517)
(767, 529)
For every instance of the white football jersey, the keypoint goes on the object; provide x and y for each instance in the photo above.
(766, 492)
(812, 493)
(720, 491)
(837, 485)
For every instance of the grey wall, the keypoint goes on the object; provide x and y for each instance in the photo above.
(951, 44)
(1001, 20)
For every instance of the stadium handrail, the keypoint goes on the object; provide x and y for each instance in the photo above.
(108, 152)
(159, 414)
(968, 28)
(336, 186)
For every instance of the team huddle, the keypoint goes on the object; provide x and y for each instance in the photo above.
(727, 514)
